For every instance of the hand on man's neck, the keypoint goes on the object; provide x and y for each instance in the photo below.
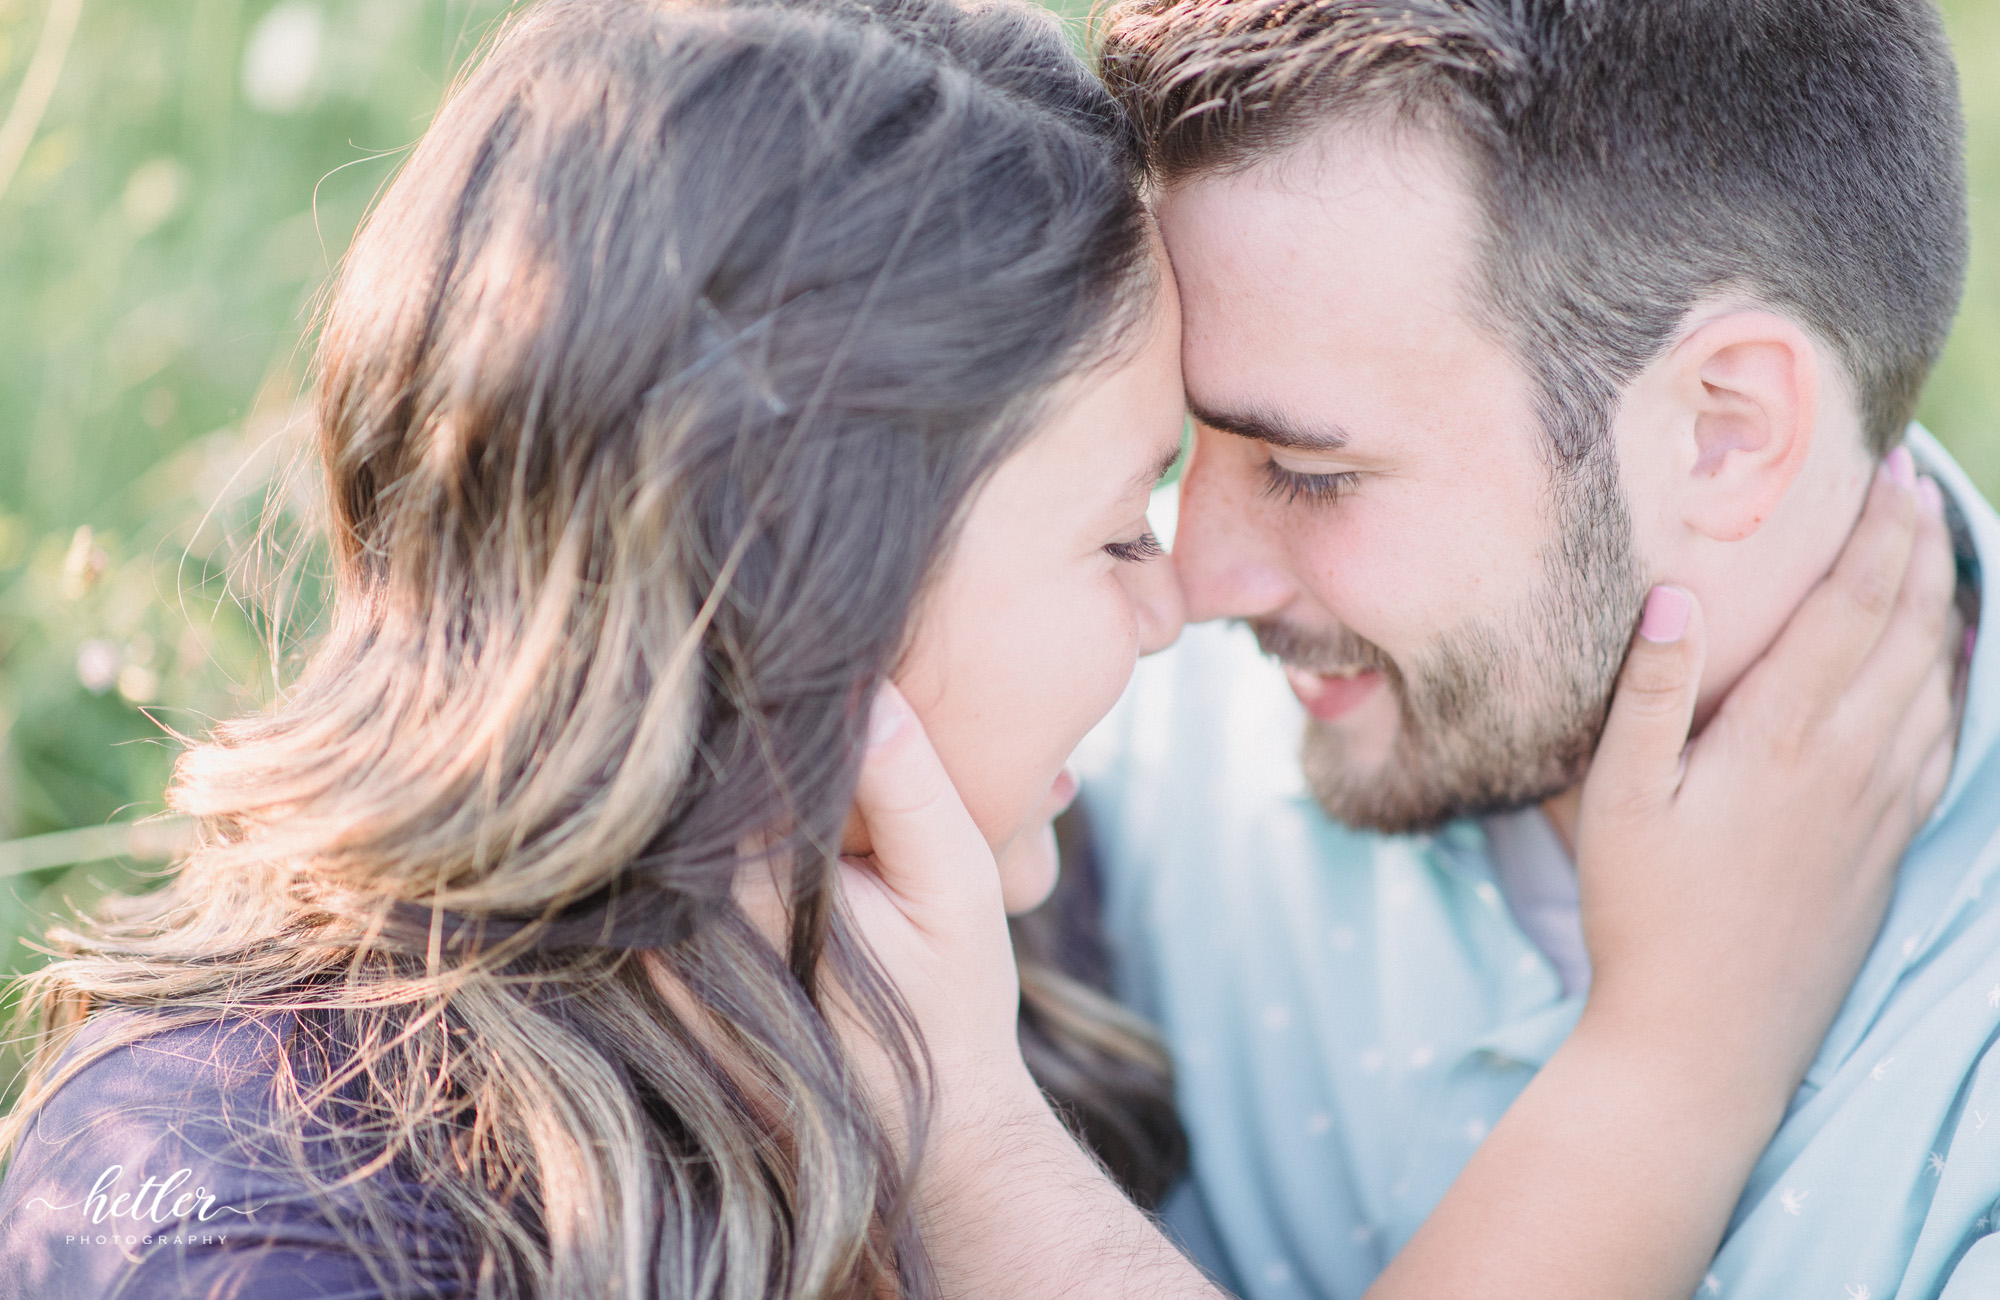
(1563, 809)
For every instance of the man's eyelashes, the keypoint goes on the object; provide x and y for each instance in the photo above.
(1292, 487)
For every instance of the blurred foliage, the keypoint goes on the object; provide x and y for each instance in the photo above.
(1962, 405)
(199, 167)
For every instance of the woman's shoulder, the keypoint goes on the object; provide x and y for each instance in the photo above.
(150, 1090)
(146, 1066)
(164, 1166)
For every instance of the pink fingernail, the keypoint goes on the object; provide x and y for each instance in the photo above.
(1666, 615)
(1931, 495)
(1902, 468)
(885, 717)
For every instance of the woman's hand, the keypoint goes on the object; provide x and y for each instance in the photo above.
(1727, 904)
(927, 899)
(1012, 1206)
(1732, 889)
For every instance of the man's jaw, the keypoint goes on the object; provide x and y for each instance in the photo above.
(1389, 752)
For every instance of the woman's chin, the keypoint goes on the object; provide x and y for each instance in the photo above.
(1028, 869)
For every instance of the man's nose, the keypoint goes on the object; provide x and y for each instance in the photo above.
(1229, 565)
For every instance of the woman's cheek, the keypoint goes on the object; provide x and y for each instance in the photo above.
(1085, 648)
(1100, 641)
(1101, 646)
(1016, 691)
(1115, 652)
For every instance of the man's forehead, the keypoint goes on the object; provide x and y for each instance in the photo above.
(1344, 170)
(1358, 236)
(1346, 262)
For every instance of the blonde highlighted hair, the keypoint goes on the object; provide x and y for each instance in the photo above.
(648, 400)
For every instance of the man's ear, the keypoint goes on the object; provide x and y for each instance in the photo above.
(1748, 385)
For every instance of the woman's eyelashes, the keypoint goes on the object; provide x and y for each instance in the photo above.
(1137, 551)
(1292, 486)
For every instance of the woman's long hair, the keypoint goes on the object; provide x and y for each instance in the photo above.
(649, 398)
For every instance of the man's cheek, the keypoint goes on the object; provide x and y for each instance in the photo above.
(1396, 594)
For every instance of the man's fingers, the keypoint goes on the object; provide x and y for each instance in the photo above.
(1638, 761)
(925, 843)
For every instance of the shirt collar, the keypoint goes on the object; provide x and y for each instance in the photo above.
(1980, 730)
(1944, 872)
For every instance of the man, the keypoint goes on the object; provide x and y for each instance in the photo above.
(1498, 313)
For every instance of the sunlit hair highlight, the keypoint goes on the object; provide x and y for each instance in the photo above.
(651, 394)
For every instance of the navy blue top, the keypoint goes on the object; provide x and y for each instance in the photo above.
(155, 1172)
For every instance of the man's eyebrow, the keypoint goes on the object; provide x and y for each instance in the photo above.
(1273, 429)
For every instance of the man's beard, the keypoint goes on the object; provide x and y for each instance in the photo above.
(1498, 715)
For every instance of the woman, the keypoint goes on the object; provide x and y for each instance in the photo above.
(706, 365)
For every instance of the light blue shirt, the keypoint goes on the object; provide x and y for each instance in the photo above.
(1350, 1013)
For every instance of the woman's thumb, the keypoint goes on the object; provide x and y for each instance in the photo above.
(923, 840)
(1638, 761)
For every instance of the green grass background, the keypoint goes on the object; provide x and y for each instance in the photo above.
(198, 169)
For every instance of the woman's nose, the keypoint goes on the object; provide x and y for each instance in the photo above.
(1157, 595)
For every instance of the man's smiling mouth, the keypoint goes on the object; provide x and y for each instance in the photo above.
(1333, 693)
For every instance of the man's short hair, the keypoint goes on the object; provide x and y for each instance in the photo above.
(1632, 157)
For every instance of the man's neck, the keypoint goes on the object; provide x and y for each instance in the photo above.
(1564, 809)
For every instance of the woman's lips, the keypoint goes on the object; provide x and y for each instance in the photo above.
(1328, 696)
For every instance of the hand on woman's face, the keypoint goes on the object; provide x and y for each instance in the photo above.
(1053, 589)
